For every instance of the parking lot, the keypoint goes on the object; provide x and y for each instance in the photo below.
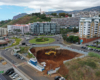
(12, 74)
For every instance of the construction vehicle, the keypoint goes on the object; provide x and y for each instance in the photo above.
(48, 53)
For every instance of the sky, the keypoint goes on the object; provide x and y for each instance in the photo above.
(10, 8)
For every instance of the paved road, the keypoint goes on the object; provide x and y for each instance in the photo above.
(58, 40)
(31, 72)
(7, 77)
(11, 58)
(79, 48)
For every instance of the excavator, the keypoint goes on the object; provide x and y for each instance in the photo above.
(48, 53)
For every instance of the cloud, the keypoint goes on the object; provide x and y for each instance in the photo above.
(45, 5)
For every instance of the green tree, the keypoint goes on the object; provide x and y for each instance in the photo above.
(75, 39)
(43, 16)
(54, 14)
(75, 30)
(62, 14)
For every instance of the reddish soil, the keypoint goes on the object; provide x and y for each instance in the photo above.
(54, 61)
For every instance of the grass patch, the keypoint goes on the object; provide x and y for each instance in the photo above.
(49, 41)
(17, 41)
(86, 68)
(30, 55)
(93, 47)
(45, 35)
(92, 54)
(24, 49)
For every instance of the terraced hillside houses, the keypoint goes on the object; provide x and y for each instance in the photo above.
(67, 22)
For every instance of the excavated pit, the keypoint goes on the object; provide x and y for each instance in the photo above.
(53, 61)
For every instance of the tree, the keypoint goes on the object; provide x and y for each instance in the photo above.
(43, 16)
(97, 43)
(17, 30)
(54, 14)
(72, 39)
(62, 14)
(75, 30)
(75, 39)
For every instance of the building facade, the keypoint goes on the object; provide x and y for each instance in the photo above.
(89, 27)
(3, 31)
(45, 28)
(19, 28)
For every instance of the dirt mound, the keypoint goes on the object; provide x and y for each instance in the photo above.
(50, 64)
(33, 51)
(63, 70)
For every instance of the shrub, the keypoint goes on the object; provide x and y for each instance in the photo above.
(97, 73)
(42, 39)
(92, 54)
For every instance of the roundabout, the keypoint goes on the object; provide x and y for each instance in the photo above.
(42, 40)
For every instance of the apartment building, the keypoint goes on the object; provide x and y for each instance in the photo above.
(45, 28)
(3, 31)
(89, 27)
(19, 28)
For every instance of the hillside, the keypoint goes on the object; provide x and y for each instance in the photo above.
(19, 16)
(92, 9)
(87, 68)
(97, 8)
(27, 19)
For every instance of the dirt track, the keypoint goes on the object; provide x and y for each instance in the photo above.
(53, 61)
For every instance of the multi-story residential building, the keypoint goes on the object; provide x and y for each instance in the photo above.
(3, 31)
(45, 28)
(89, 27)
(19, 28)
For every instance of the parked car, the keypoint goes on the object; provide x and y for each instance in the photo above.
(19, 79)
(24, 43)
(11, 69)
(59, 78)
(15, 76)
(18, 56)
(6, 49)
(87, 45)
(15, 54)
(21, 57)
(11, 72)
(28, 44)
(33, 44)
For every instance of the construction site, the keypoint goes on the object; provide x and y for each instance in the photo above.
(53, 58)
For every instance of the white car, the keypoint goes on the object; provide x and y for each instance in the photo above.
(19, 79)
(28, 44)
(15, 76)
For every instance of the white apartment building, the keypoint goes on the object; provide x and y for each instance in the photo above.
(23, 28)
(3, 31)
(89, 27)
